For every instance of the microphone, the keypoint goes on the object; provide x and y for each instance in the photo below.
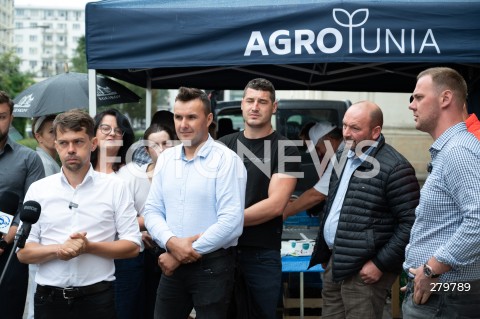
(72, 205)
(29, 215)
(8, 208)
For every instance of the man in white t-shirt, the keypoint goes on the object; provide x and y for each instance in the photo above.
(319, 136)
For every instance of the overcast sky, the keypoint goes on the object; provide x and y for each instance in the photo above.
(55, 3)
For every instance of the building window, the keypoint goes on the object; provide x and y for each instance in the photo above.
(19, 51)
(18, 25)
(76, 26)
(33, 64)
(77, 15)
(32, 51)
(32, 38)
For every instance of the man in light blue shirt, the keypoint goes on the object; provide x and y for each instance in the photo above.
(443, 255)
(195, 211)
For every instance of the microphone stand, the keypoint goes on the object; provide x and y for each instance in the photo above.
(14, 247)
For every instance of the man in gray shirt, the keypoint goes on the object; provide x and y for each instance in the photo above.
(19, 167)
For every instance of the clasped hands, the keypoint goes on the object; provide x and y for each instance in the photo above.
(73, 246)
(180, 251)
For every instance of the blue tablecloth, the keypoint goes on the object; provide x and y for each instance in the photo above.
(298, 264)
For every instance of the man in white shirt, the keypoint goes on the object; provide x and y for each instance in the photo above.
(195, 211)
(83, 212)
(320, 134)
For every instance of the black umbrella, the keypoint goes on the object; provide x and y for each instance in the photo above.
(67, 91)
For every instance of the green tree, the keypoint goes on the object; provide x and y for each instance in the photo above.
(13, 81)
(136, 111)
(79, 60)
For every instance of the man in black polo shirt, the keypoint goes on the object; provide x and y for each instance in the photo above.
(271, 161)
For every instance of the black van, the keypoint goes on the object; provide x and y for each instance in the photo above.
(289, 119)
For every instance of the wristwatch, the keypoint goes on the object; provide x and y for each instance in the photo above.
(428, 272)
(3, 244)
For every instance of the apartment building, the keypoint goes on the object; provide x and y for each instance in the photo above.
(6, 25)
(45, 37)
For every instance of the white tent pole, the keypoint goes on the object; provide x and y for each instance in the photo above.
(92, 92)
(148, 104)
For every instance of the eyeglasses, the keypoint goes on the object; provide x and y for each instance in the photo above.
(107, 129)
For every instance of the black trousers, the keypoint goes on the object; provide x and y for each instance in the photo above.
(52, 305)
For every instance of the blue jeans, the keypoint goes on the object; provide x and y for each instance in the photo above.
(206, 285)
(262, 269)
(129, 287)
(443, 305)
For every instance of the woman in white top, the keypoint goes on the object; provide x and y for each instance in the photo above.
(115, 136)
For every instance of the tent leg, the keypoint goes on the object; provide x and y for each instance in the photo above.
(148, 103)
(92, 92)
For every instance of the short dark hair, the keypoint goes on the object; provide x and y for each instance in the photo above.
(188, 94)
(5, 98)
(74, 120)
(261, 84)
(448, 78)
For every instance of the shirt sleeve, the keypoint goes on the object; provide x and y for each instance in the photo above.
(322, 185)
(126, 216)
(462, 176)
(231, 183)
(35, 171)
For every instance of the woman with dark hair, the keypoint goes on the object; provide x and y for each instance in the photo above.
(158, 137)
(111, 127)
(115, 136)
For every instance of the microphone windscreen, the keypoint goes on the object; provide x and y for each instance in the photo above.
(30, 212)
(9, 202)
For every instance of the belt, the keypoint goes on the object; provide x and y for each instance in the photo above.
(75, 292)
(218, 253)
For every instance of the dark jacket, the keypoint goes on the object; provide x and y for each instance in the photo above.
(376, 217)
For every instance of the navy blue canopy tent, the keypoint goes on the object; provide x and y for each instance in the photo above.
(369, 45)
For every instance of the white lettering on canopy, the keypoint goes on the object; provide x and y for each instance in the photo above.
(304, 40)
